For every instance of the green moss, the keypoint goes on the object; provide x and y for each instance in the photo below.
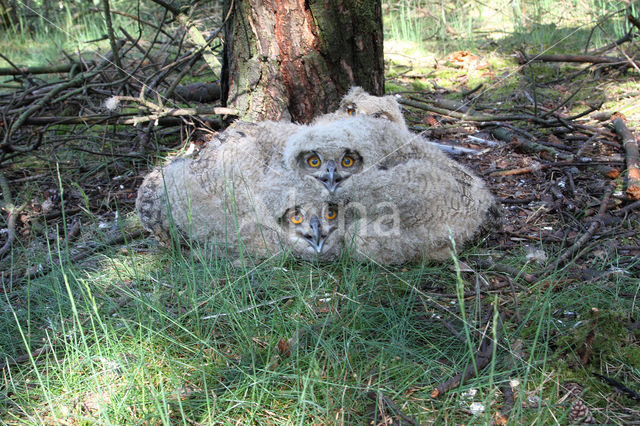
(612, 342)
(390, 87)
(419, 85)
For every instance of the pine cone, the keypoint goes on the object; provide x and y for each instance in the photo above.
(580, 413)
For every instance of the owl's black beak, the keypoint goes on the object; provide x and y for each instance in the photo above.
(316, 238)
(332, 179)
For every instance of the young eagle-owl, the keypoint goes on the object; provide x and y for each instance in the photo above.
(358, 102)
(233, 194)
(414, 202)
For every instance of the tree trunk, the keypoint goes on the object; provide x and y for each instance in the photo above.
(294, 59)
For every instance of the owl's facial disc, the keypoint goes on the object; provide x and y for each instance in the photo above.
(332, 178)
(316, 238)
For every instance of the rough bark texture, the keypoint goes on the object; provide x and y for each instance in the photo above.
(294, 59)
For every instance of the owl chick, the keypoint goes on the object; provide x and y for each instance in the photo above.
(312, 231)
(212, 197)
(358, 102)
(331, 152)
(414, 202)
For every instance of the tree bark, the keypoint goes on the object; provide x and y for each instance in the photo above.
(294, 59)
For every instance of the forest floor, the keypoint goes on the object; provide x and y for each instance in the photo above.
(537, 322)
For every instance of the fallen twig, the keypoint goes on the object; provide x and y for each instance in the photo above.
(476, 117)
(619, 386)
(160, 111)
(523, 58)
(485, 264)
(46, 69)
(627, 209)
(388, 402)
(593, 227)
(633, 158)
(482, 358)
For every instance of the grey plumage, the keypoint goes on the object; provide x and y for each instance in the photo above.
(213, 197)
(237, 193)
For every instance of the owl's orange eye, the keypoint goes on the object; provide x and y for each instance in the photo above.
(351, 110)
(313, 161)
(296, 218)
(347, 161)
(331, 213)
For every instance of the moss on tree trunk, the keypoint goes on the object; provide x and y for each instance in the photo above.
(294, 59)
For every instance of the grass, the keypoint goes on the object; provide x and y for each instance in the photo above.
(141, 335)
(137, 334)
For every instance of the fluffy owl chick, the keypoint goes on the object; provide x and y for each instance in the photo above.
(312, 231)
(415, 209)
(330, 153)
(358, 102)
(213, 197)
(333, 152)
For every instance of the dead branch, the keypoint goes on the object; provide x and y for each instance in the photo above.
(29, 111)
(112, 38)
(543, 166)
(519, 171)
(619, 386)
(476, 117)
(633, 158)
(635, 21)
(86, 251)
(379, 397)
(12, 214)
(485, 264)
(627, 209)
(523, 58)
(111, 119)
(160, 111)
(482, 359)
(593, 227)
(55, 69)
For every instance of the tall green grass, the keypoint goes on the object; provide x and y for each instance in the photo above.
(445, 26)
(44, 29)
(144, 335)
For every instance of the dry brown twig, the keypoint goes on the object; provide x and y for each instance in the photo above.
(159, 111)
(633, 158)
(593, 227)
(482, 358)
(384, 401)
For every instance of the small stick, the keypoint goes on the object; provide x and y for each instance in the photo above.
(631, 149)
(483, 356)
(506, 269)
(524, 58)
(389, 402)
(593, 227)
(112, 39)
(36, 270)
(518, 171)
(619, 386)
(627, 209)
